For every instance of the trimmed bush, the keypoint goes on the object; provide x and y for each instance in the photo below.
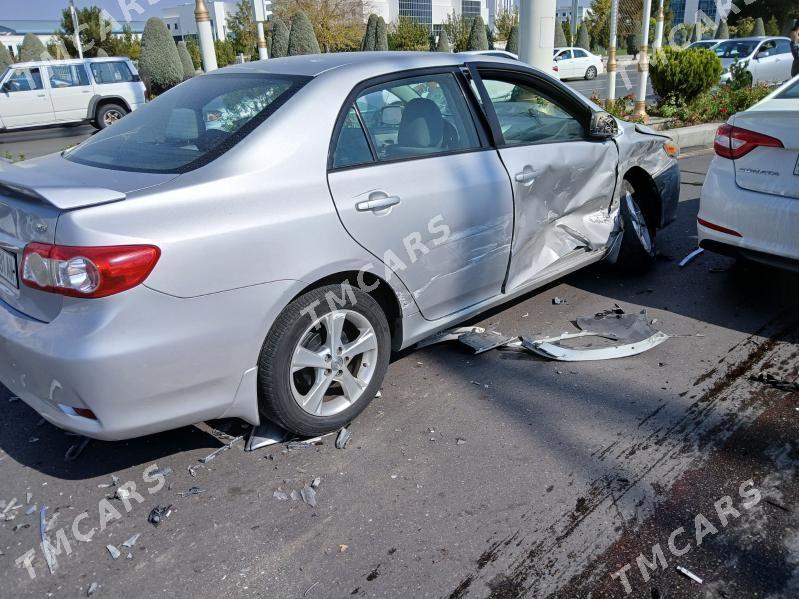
(560, 37)
(32, 49)
(513, 40)
(370, 36)
(280, 38)
(583, 41)
(760, 28)
(225, 53)
(723, 31)
(772, 27)
(443, 42)
(632, 44)
(159, 63)
(302, 39)
(682, 75)
(381, 36)
(5, 57)
(477, 36)
(185, 60)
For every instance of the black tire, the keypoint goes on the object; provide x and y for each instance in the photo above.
(274, 365)
(590, 73)
(637, 252)
(107, 114)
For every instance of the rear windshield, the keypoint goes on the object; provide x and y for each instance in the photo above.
(735, 48)
(189, 125)
(791, 92)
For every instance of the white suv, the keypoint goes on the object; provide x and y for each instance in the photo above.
(97, 90)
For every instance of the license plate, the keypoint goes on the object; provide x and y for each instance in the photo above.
(8, 268)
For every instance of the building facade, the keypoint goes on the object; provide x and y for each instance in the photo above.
(693, 11)
(432, 13)
(181, 24)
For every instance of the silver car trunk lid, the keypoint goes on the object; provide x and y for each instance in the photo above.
(32, 196)
(766, 169)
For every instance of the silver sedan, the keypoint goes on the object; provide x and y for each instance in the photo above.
(257, 241)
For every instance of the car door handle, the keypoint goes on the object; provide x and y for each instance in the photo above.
(377, 204)
(526, 177)
(41, 95)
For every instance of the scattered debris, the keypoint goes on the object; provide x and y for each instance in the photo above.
(483, 342)
(115, 553)
(294, 495)
(343, 548)
(280, 496)
(20, 526)
(122, 493)
(132, 540)
(460, 441)
(192, 469)
(316, 482)
(159, 513)
(33, 439)
(45, 544)
(556, 301)
(28, 497)
(308, 590)
(772, 380)
(448, 335)
(30, 510)
(379, 394)
(74, 451)
(92, 589)
(191, 491)
(265, 434)
(690, 257)
(13, 399)
(114, 482)
(309, 495)
(305, 443)
(225, 447)
(343, 438)
(689, 574)
(166, 471)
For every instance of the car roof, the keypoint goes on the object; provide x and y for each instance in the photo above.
(756, 38)
(67, 61)
(370, 64)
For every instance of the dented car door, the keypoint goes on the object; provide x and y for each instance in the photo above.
(563, 180)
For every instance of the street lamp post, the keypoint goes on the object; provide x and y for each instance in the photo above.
(659, 27)
(614, 17)
(643, 63)
(537, 33)
(76, 28)
(205, 35)
(261, 11)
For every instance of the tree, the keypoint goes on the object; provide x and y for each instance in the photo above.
(5, 57)
(744, 27)
(504, 22)
(772, 27)
(760, 28)
(513, 40)
(477, 37)
(194, 51)
(337, 24)
(560, 37)
(94, 28)
(127, 44)
(280, 38)
(381, 36)
(241, 29)
(458, 30)
(598, 24)
(407, 34)
(632, 44)
(566, 27)
(225, 54)
(583, 40)
(159, 64)
(370, 35)
(186, 61)
(302, 39)
(443, 42)
(722, 32)
(787, 9)
(32, 49)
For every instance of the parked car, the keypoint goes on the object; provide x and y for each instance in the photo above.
(577, 63)
(706, 44)
(269, 266)
(749, 205)
(767, 59)
(97, 90)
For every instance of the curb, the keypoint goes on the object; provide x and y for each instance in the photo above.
(694, 136)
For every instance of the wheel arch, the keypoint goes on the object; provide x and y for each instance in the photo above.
(99, 101)
(646, 189)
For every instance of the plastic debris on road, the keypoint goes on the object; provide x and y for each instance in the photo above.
(159, 514)
(74, 451)
(280, 496)
(483, 342)
(689, 574)
(309, 495)
(557, 301)
(191, 491)
(132, 540)
(448, 335)
(691, 256)
(224, 448)
(772, 380)
(343, 438)
(92, 589)
(265, 434)
(115, 553)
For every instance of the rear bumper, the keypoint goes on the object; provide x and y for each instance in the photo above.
(768, 224)
(142, 361)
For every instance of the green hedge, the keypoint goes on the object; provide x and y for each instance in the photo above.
(682, 75)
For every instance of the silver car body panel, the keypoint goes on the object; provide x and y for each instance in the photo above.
(245, 234)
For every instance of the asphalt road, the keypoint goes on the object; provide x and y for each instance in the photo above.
(500, 475)
(627, 78)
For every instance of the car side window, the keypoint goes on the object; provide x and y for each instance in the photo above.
(783, 47)
(73, 75)
(526, 115)
(565, 55)
(767, 48)
(417, 117)
(352, 147)
(580, 54)
(24, 80)
(111, 72)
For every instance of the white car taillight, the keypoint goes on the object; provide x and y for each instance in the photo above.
(90, 272)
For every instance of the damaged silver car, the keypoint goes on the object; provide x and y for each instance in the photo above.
(256, 241)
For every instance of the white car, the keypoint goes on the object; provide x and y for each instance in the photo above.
(749, 205)
(768, 59)
(98, 90)
(706, 44)
(577, 63)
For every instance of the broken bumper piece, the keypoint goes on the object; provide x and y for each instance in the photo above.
(550, 348)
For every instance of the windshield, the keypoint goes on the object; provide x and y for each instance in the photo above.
(791, 92)
(735, 48)
(189, 125)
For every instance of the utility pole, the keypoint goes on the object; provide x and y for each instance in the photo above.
(205, 35)
(537, 33)
(574, 22)
(643, 63)
(659, 26)
(614, 18)
(261, 11)
(76, 28)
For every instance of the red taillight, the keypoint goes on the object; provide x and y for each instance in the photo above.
(86, 271)
(555, 68)
(719, 228)
(734, 142)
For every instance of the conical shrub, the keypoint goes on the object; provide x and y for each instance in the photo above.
(760, 28)
(381, 36)
(159, 63)
(185, 60)
(32, 49)
(583, 41)
(477, 36)
(5, 57)
(370, 35)
(443, 42)
(302, 39)
(513, 40)
(560, 37)
(723, 31)
(280, 38)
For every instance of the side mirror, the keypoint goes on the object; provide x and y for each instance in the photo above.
(603, 126)
(391, 115)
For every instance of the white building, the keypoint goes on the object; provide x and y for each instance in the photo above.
(181, 24)
(563, 9)
(432, 13)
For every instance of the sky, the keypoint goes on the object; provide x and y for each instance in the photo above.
(51, 9)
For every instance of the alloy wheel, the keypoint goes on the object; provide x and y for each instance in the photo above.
(111, 117)
(639, 223)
